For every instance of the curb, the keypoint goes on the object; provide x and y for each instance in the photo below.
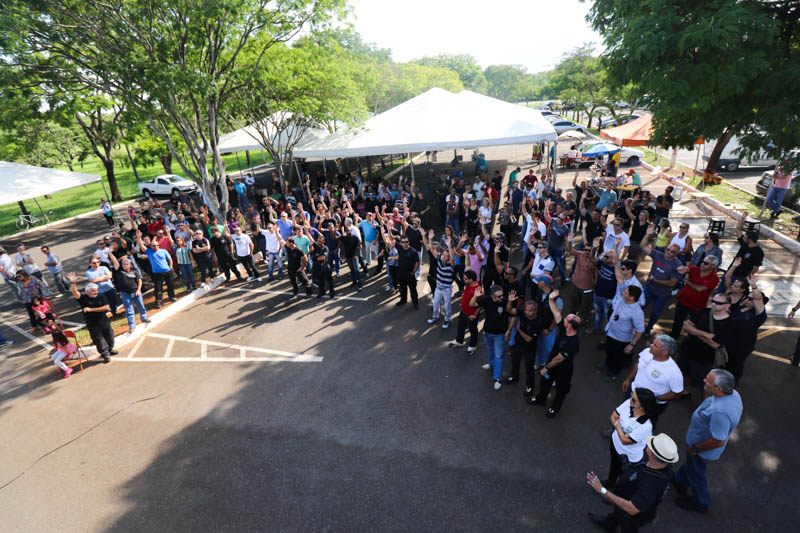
(140, 330)
(780, 238)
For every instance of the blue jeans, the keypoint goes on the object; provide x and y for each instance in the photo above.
(188, 275)
(693, 474)
(496, 348)
(13, 286)
(544, 347)
(273, 258)
(452, 220)
(601, 307)
(355, 275)
(128, 301)
(334, 261)
(775, 199)
(558, 258)
(658, 302)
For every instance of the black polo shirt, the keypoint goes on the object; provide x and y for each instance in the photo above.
(496, 322)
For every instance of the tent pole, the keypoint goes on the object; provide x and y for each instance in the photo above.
(411, 163)
(239, 163)
(42, 210)
(696, 160)
(553, 164)
(108, 196)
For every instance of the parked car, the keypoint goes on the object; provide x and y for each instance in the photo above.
(165, 185)
(792, 198)
(565, 125)
(554, 118)
(612, 122)
(628, 155)
(730, 159)
(546, 112)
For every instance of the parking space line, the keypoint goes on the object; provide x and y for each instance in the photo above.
(204, 351)
(277, 359)
(270, 291)
(136, 347)
(280, 355)
(168, 351)
(773, 357)
(24, 333)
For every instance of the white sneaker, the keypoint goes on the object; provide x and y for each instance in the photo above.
(497, 384)
(487, 366)
(433, 320)
(471, 349)
(446, 324)
(258, 278)
(456, 344)
(250, 278)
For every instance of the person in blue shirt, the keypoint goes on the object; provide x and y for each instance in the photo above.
(161, 263)
(607, 197)
(710, 428)
(241, 191)
(370, 248)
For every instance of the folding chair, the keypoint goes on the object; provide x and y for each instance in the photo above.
(70, 335)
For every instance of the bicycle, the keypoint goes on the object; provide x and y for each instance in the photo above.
(26, 221)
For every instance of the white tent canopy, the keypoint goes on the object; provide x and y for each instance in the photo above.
(23, 182)
(248, 138)
(435, 120)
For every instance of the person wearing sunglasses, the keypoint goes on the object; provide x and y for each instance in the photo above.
(663, 277)
(708, 330)
(623, 331)
(710, 246)
(100, 275)
(699, 285)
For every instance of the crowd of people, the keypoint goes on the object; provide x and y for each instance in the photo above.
(557, 259)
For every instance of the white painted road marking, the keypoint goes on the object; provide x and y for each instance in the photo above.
(269, 291)
(271, 355)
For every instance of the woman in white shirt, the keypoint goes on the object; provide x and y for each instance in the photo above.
(632, 422)
(485, 213)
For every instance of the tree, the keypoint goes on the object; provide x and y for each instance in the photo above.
(466, 66)
(582, 78)
(505, 81)
(296, 89)
(711, 69)
(176, 62)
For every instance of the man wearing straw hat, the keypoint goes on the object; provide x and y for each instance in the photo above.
(639, 489)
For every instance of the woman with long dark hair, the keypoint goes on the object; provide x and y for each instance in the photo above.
(633, 422)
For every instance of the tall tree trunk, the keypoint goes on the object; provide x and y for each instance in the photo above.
(166, 162)
(247, 155)
(112, 180)
(23, 208)
(722, 142)
(133, 162)
(69, 166)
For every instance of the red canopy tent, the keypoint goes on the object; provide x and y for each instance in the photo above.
(634, 133)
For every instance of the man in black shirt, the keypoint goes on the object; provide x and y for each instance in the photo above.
(414, 235)
(526, 329)
(496, 259)
(498, 309)
(201, 249)
(296, 265)
(350, 248)
(751, 253)
(223, 249)
(561, 364)
(321, 268)
(96, 313)
(407, 265)
(639, 489)
(664, 204)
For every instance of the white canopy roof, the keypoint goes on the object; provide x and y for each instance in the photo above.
(23, 182)
(248, 138)
(435, 120)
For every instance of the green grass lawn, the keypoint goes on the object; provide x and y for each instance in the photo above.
(71, 202)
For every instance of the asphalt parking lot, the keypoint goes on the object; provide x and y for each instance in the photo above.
(387, 429)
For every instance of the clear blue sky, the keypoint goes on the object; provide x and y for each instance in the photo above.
(531, 33)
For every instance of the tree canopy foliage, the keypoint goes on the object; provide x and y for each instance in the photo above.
(710, 69)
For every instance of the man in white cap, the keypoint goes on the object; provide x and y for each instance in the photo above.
(639, 489)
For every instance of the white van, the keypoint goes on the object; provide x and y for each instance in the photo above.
(730, 160)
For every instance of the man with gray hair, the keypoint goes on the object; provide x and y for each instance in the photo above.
(700, 283)
(96, 312)
(655, 369)
(711, 426)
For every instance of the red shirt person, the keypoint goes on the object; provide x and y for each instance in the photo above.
(469, 315)
(700, 284)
